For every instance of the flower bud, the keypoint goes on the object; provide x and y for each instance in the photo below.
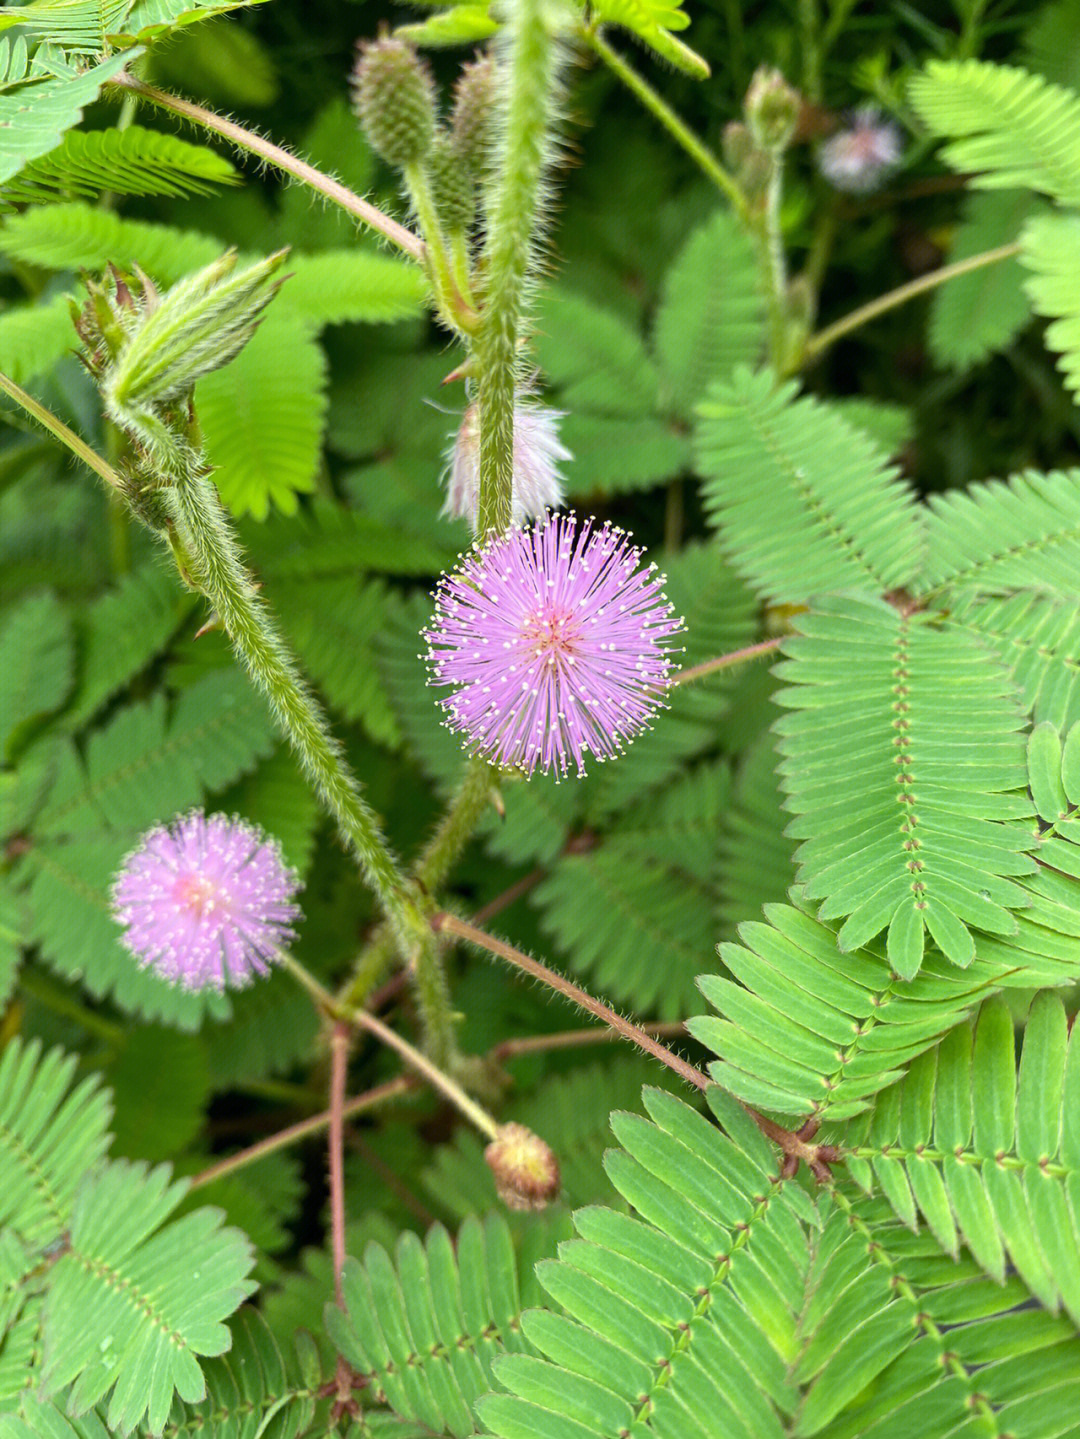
(772, 109)
(474, 101)
(526, 1172)
(394, 100)
(197, 326)
(451, 186)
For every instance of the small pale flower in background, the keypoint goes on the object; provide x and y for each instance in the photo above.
(538, 453)
(206, 901)
(858, 158)
(556, 643)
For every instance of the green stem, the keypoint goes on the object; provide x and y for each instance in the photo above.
(819, 343)
(273, 155)
(476, 792)
(460, 266)
(429, 1071)
(452, 305)
(204, 534)
(681, 133)
(66, 436)
(774, 263)
(528, 76)
(723, 662)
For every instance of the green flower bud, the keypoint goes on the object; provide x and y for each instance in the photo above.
(394, 100)
(772, 109)
(197, 326)
(474, 103)
(452, 186)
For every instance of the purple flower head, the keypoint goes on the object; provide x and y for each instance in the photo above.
(858, 158)
(205, 901)
(538, 453)
(555, 642)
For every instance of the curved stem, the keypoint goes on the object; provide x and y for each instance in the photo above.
(450, 924)
(204, 533)
(819, 343)
(369, 214)
(453, 307)
(681, 133)
(723, 662)
(60, 431)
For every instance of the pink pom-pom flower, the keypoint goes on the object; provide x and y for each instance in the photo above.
(859, 157)
(556, 642)
(206, 901)
(538, 453)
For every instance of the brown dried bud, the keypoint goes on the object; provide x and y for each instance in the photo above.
(526, 1171)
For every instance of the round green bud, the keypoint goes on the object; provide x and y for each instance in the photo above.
(451, 185)
(394, 100)
(772, 109)
(474, 103)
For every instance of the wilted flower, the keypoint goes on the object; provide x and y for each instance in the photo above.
(857, 159)
(556, 643)
(537, 454)
(206, 901)
(526, 1171)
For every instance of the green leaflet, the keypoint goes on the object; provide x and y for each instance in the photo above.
(36, 661)
(838, 516)
(988, 1156)
(1051, 251)
(900, 751)
(805, 1029)
(34, 337)
(36, 106)
(120, 1316)
(1023, 534)
(1037, 638)
(135, 161)
(980, 313)
(1015, 129)
(755, 859)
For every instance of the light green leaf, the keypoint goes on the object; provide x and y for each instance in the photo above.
(456, 25)
(37, 108)
(653, 21)
(37, 663)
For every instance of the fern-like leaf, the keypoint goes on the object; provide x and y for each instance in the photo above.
(1051, 250)
(653, 21)
(456, 25)
(34, 337)
(135, 161)
(1023, 534)
(711, 315)
(907, 822)
(596, 358)
(326, 541)
(425, 1331)
(988, 1156)
(1037, 639)
(1014, 129)
(838, 517)
(808, 1030)
(37, 662)
(36, 107)
(77, 236)
(353, 285)
(981, 313)
(262, 418)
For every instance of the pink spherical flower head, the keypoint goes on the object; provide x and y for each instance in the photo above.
(858, 158)
(555, 640)
(206, 901)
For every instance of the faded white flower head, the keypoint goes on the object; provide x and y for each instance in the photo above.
(538, 452)
(858, 158)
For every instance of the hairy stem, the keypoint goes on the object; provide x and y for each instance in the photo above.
(370, 1099)
(56, 427)
(681, 133)
(450, 924)
(819, 343)
(429, 1071)
(723, 662)
(273, 155)
(528, 76)
(206, 538)
(339, 1063)
(774, 264)
(575, 1038)
(454, 309)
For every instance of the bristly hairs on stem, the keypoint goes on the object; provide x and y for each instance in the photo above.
(516, 202)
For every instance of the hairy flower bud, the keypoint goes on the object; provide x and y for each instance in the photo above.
(197, 326)
(451, 186)
(526, 1171)
(394, 100)
(474, 100)
(772, 109)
